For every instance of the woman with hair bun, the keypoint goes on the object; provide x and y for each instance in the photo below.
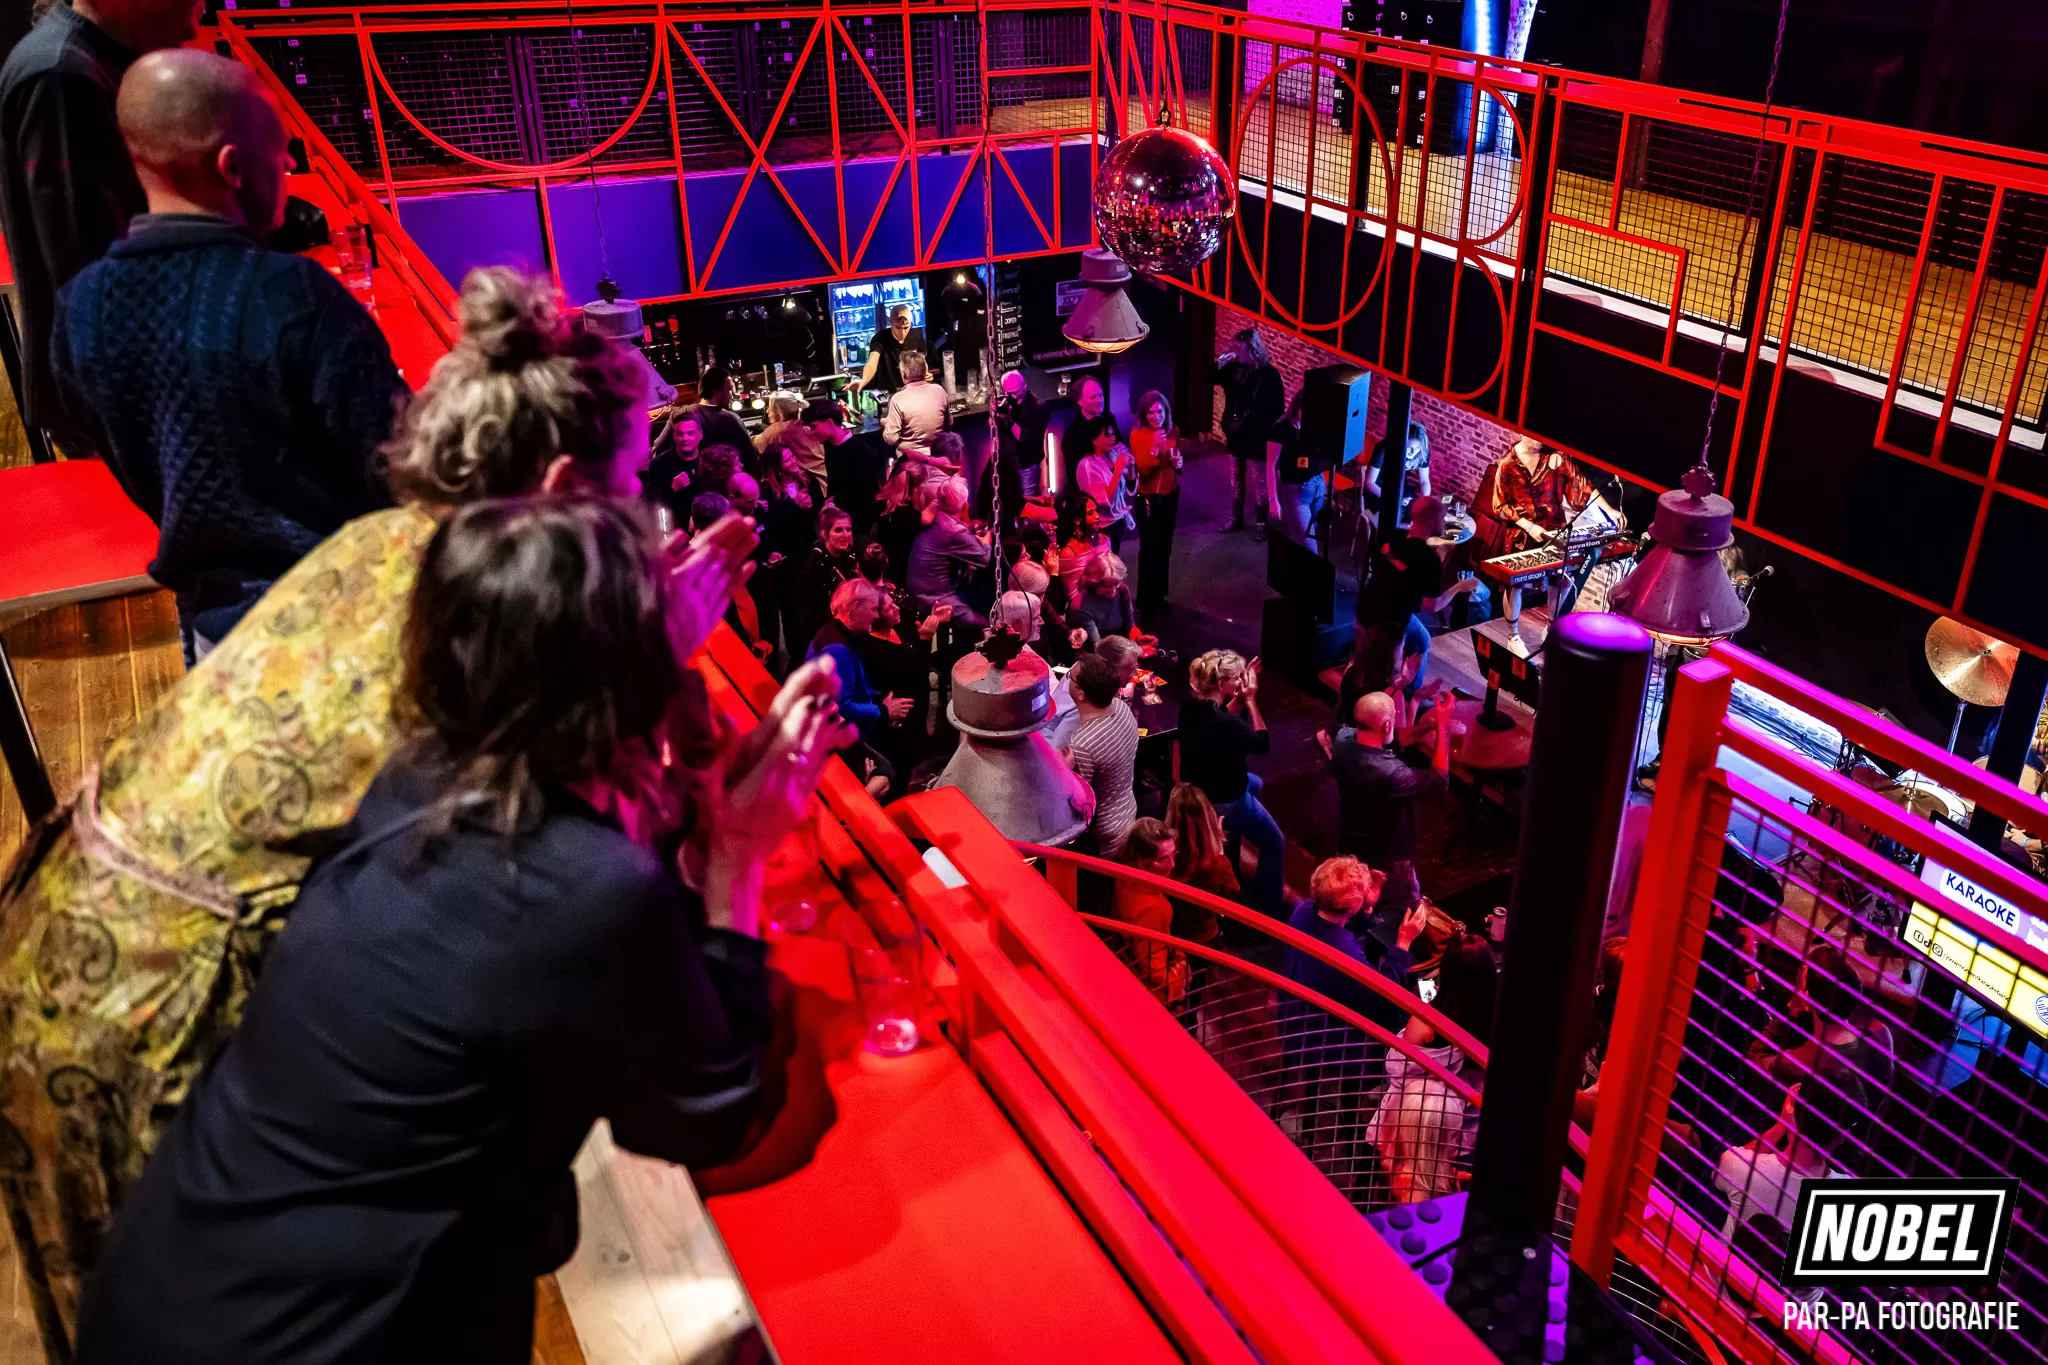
(377, 1164)
(136, 920)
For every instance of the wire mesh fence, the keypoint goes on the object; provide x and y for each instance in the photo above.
(1842, 1026)
(1902, 271)
(1387, 1120)
(1385, 1104)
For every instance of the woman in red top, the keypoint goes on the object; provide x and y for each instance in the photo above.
(1155, 444)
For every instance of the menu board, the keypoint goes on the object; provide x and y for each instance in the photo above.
(1944, 938)
(1006, 331)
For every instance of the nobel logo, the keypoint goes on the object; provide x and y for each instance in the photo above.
(1850, 1233)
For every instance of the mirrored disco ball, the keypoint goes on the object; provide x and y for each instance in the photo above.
(1163, 199)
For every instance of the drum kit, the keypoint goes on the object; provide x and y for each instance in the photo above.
(1977, 671)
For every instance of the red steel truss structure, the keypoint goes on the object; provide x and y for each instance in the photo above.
(1446, 219)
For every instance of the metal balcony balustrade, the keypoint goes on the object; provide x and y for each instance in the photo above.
(1758, 872)
(1904, 269)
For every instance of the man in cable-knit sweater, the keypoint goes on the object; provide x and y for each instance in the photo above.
(239, 394)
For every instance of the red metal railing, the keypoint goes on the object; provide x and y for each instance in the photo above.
(1234, 1239)
(834, 67)
(1795, 994)
(1326, 1074)
(1910, 267)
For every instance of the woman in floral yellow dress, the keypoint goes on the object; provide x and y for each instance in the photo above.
(135, 920)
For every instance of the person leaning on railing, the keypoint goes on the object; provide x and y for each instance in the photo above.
(377, 1164)
(1198, 860)
(166, 879)
(1332, 1062)
(1423, 1129)
(1148, 846)
(1342, 894)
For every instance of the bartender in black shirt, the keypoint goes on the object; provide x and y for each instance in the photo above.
(885, 352)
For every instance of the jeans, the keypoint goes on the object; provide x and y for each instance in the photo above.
(1300, 505)
(1248, 819)
(1027, 475)
(1415, 645)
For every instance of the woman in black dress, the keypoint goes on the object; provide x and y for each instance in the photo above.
(831, 562)
(376, 1166)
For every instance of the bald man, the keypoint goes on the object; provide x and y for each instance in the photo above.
(240, 394)
(1377, 791)
(67, 189)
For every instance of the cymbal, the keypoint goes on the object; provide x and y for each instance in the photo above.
(1973, 666)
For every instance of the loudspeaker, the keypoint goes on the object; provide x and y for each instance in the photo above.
(1333, 401)
(1301, 576)
(1294, 645)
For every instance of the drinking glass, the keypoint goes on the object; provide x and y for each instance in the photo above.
(352, 255)
(887, 994)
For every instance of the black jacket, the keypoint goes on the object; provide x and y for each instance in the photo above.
(240, 395)
(376, 1166)
(1376, 794)
(67, 187)
(1254, 398)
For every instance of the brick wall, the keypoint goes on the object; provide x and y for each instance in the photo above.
(1461, 444)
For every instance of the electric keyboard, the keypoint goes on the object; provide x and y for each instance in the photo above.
(1540, 561)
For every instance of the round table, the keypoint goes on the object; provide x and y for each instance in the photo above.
(1490, 750)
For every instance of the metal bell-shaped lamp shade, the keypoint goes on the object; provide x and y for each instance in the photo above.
(1105, 320)
(1680, 593)
(620, 320)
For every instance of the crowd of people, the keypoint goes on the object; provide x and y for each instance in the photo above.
(314, 988)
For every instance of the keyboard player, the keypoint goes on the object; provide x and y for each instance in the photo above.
(1540, 494)
(1541, 491)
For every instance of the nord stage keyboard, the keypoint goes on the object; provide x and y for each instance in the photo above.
(1540, 561)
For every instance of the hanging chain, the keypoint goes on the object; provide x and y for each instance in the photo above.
(1735, 272)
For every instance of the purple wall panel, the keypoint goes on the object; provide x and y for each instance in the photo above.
(464, 230)
(642, 245)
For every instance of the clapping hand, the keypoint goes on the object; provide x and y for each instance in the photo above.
(760, 790)
(768, 799)
(703, 574)
(1412, 925)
